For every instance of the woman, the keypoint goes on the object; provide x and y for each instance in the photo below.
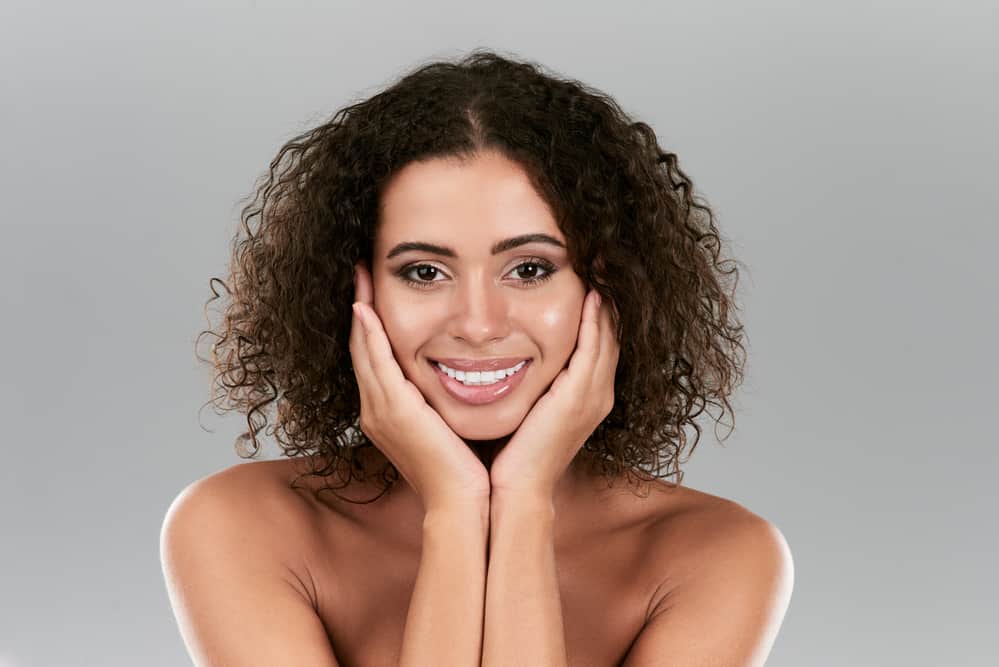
(480, 216)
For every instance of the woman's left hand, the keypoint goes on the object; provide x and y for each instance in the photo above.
(581, 396)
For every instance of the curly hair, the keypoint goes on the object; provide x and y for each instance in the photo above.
(635, 231)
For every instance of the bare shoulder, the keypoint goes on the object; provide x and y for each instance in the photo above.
(231, 547)
(255, 495)
(703, 530)
(251, 501)
(724, 576)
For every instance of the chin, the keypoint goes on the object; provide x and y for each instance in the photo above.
(497, 428)
(479, 431)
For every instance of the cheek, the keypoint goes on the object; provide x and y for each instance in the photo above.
(404, 328)
(402, 322)
(558, 327)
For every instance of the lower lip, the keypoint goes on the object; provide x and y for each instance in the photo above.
(484, 394)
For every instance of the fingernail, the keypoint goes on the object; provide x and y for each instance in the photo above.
(598, 299)
(363, 316)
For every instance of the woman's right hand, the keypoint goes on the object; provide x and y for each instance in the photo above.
(396, 417)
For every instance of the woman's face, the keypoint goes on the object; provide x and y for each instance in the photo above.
(475, 304)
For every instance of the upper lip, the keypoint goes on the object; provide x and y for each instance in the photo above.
(481, 364)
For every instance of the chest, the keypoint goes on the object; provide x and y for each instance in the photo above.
(605, 585)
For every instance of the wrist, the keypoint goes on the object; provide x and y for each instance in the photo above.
(537, 505)
(461, 511)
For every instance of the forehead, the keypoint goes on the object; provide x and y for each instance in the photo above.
(469, 203)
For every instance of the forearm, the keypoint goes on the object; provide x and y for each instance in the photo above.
(444, 621)
(523, 613)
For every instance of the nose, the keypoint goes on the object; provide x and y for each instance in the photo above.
(480, 312)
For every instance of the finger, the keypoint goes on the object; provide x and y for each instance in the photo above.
(359, 333)
(605, 326)
(363, 289)
(584, 358)
(593, 339)
(386, 368)
(367, 383)
(356, 324)
(609, 347)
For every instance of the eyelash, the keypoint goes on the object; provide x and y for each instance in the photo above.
(549, 268)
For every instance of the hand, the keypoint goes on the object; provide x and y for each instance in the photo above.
(396, 417)
(581, 396)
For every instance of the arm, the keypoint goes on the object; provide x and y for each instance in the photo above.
(235, 600)
(444, 621)
(523, 624)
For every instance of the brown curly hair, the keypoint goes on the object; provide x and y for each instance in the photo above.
(635, 231)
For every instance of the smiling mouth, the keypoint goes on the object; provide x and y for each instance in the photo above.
(480, 394)
(494, 364)
(504, 364)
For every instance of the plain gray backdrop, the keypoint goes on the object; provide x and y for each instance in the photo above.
(850, 151)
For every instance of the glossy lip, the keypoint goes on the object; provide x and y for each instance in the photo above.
(498, 363)
(480, 395)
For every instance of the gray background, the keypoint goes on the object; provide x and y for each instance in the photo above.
(851, 154)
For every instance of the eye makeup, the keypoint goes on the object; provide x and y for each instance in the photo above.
(549, 268)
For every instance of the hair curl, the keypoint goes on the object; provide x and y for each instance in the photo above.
(634, 227)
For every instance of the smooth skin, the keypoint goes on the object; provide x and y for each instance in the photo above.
(531, 463)
(406, 429)
(705, 581)
(725, 575)
(522, 302)
(522, 480)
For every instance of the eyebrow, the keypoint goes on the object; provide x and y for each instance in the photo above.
(501, 246)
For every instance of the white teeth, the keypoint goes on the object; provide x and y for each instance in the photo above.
(480, 378)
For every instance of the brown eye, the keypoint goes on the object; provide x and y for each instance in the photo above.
(424, 275)
(529, 265)
(535, 262)
(426, 272)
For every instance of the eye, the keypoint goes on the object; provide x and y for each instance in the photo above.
(546, 266)
(426, 272)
